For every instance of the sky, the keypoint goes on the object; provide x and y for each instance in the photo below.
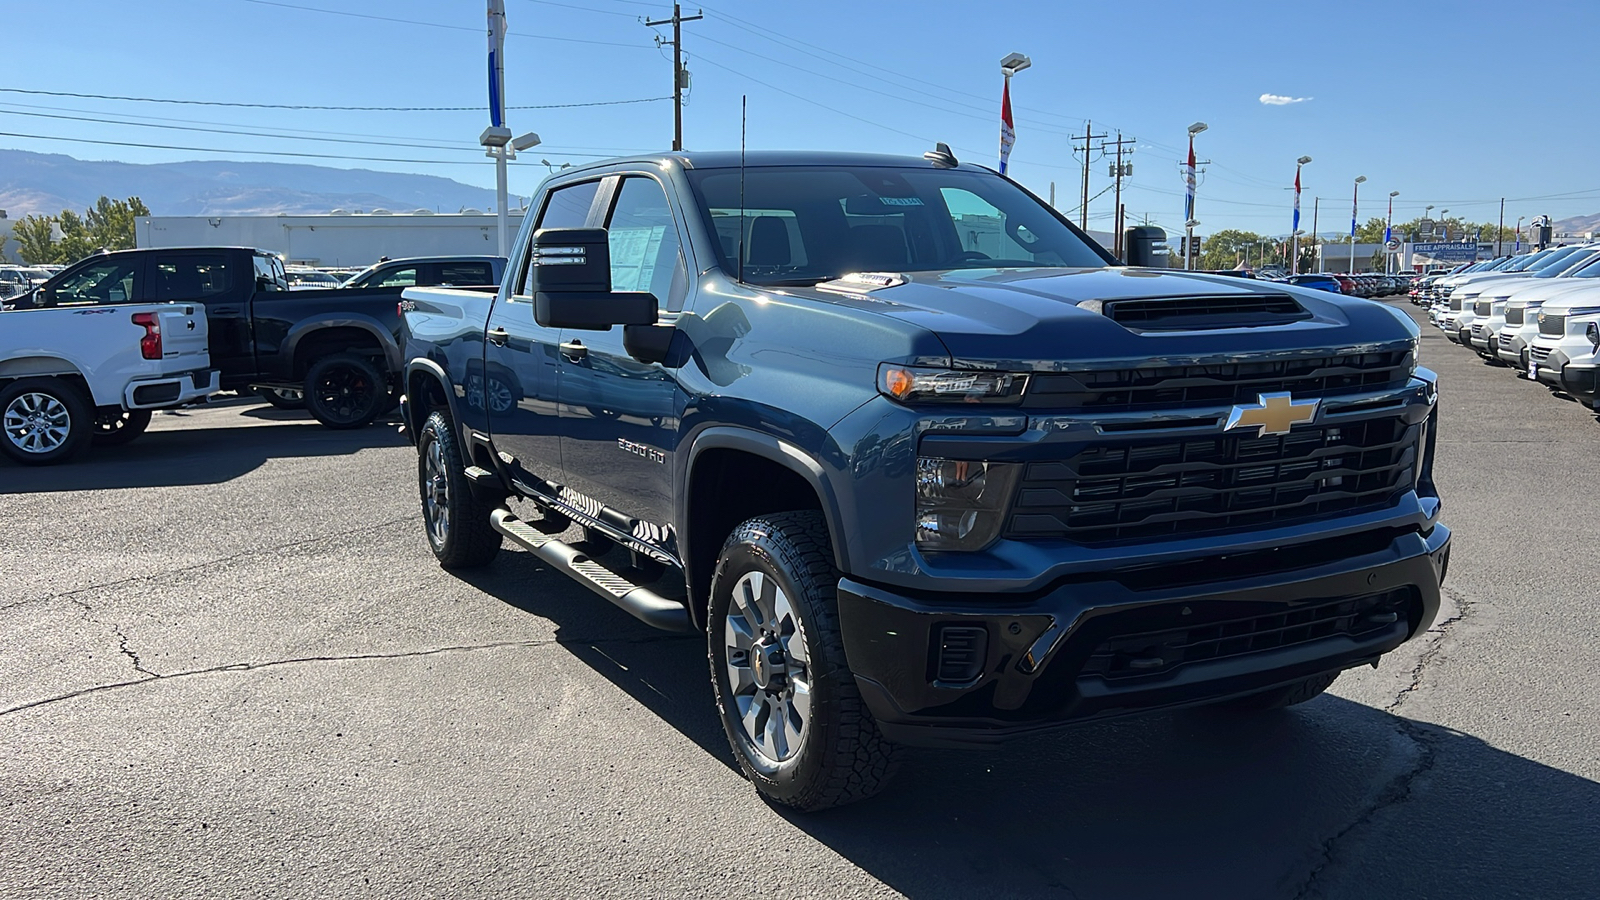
(1452, 104)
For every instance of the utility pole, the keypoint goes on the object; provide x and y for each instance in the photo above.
(678, 73)
(1118, 171)
(1316, 203)
(1500, 229)
(1087, 137)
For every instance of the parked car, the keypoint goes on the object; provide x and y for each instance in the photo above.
(425, 271)
(334, 351)
(301, 278)
(919, 492)
(1566, 353)
(1319, 282)
(73, 375)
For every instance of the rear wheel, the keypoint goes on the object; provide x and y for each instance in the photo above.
(282, 398)
(457, 522)
(43, 420)
(345, 391)
(788, 702)
(115, 427)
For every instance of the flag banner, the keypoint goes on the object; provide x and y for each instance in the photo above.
(1188, 183)
(1008, 132)
(497, 76)
(1296, 226)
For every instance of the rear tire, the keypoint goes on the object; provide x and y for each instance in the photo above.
(1282, 696)
(788, 702)
(282, 399)
(457, 522)
(345, 391)
(44, 421)
(115, 427)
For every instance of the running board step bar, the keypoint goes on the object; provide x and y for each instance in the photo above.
(642, 603)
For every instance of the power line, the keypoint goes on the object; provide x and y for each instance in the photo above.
(429, 162)
(355, 15)
(306, 106)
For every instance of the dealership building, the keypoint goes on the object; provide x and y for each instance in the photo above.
(337, 239)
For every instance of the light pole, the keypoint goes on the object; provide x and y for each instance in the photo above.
(1519, 236)
(1444, 222)
(1355, 203)
(1189, 221)
(1388, 230)
(1009, 66)
(496, 139)
(1294, 253)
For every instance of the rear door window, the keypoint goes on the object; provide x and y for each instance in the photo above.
(191, 277)
(465, 273)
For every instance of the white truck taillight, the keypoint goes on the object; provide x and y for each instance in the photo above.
(150, 344)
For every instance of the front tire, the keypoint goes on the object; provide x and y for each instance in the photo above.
(115, 427)
(788, 702)
(282, 398)
(459, 531)
(345, 391)
(43, 421)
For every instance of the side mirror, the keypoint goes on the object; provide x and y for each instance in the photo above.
(1145, 246)
(569, 273)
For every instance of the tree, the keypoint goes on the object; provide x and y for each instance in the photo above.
(1226, 249)
(34, 243)
(108, 225)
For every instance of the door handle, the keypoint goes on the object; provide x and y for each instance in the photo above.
(498, 336)
(574, 350)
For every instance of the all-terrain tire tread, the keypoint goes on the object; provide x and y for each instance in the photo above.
(474, 542)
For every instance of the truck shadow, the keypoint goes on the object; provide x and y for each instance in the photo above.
(1198, 803)
(170, 456)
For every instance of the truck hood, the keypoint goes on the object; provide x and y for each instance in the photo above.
(1040, 320)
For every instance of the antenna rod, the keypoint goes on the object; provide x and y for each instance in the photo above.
(744, 115)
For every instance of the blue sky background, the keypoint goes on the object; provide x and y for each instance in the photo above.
(1454, 104)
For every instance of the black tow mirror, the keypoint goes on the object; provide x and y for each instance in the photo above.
(1146, 246)
(570, 277)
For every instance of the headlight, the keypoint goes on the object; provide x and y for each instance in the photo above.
(961, 505)
(909, 384)
(1592, 332)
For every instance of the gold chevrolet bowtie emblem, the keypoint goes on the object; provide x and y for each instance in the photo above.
(1272, 414)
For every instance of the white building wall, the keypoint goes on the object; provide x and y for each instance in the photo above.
(331, 240)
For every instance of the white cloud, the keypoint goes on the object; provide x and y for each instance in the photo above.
(1281, 100)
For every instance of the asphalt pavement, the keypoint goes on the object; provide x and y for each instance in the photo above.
(231, 668)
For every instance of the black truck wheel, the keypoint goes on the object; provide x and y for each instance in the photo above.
(115, 427)
(1283, 695)
(43, 420)
(282, 398)
(787, 700)
(345, 391)
(456, 521)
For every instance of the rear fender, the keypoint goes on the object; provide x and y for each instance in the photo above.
(309, 327)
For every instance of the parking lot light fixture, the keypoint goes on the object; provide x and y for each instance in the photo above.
(1010, 64)
(1189, 187)
(1388, 232)
(1294, 253)
(1355, 204)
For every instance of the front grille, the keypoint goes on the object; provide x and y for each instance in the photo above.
(1168, 387)
(1514, 315)
(1555, 326)
(1477, 331)
(1539, 354)
(1142, 654)
(1140, 490)
(1205, 312)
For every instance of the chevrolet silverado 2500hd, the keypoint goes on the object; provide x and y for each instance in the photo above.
(934, 467)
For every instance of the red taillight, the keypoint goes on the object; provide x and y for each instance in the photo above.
(150, 344)
(400, 309)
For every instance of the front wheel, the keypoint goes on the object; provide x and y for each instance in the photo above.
(44, 420)
(282, 398)
(459, 531)
(115, 427)
(345, 391)
(788, 703)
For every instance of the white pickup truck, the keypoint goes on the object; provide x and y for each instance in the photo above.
(75, 374)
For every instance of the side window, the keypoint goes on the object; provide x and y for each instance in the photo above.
(982, 228)
(268, 274)
(465, 274)
(112, 281)
(645, 251)
(403, 277)
(567, 207)
(190, 277)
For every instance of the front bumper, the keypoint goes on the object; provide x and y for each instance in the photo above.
(1135, 640)
(173, 390)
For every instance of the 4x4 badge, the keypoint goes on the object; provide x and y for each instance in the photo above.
(1272, 414)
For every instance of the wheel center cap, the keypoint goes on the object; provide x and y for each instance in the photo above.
(767, 665)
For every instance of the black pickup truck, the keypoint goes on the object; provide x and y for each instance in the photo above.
(335, 351)
(924, 463)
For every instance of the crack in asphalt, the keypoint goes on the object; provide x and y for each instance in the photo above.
(351, 657)
(1399, 790)
(153, 576)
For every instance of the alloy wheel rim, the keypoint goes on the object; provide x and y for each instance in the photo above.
(769, 670)
(36, 422)
(345, 392)
(436, 494)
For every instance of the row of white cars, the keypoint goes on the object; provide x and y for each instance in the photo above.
(1538, 313)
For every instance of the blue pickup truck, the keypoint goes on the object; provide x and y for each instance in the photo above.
(924, 463)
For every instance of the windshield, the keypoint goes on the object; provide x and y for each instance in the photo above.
(804, 224)
(1569, 265)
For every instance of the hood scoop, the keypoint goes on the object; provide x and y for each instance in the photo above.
(1196, 313)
